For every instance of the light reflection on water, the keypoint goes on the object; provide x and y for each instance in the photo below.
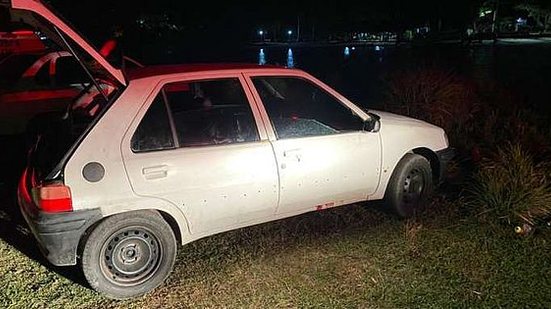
(290, 59)
(261, 57)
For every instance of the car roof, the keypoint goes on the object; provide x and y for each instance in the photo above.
(159, 70)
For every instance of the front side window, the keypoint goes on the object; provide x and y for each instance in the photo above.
(299, 108)
(201, 113)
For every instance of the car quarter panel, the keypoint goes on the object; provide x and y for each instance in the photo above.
(113, 193)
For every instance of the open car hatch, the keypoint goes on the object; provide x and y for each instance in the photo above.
(38, 15)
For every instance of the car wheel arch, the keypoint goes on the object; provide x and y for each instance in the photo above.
(409, 185)
(178, 227)
(425, 152)
(174, 225)
(166, 216)
(433, 159)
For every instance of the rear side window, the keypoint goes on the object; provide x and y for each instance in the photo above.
(201, 113)
(211, 112)
(154, 131)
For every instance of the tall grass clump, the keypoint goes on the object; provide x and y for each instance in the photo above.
(434, 95)
(511, 188)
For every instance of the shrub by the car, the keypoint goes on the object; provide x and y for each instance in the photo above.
(511, 188)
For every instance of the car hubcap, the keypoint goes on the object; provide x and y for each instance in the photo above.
(131, 257)
(413, 187)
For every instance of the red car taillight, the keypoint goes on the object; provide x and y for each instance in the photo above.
(53, 198)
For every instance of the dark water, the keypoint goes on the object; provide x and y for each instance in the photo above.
(359, 73)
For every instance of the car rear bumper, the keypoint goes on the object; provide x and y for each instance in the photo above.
(444, 157)
(58, 234)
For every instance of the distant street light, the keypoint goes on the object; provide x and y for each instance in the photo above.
(289, 33)
(261, 33)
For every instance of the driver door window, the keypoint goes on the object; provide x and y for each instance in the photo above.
(298, 108)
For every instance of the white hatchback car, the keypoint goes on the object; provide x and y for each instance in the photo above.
(169, 154)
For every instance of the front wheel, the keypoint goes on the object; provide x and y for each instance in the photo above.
(129, 254)
(410, 185)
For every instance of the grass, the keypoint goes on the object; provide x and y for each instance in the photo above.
(512, 188)
(357, 256)
(350, 257)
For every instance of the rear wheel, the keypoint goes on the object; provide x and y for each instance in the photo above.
(410, 185)
(129, 254)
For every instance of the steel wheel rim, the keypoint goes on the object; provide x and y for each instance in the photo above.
(131, 256)
(413, 187)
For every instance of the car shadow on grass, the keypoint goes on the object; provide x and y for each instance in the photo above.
(315, 229)
(13, 228)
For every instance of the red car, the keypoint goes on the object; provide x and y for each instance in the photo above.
(35, 83)
(20, 41)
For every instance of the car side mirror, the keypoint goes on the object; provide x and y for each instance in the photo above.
(373, 123)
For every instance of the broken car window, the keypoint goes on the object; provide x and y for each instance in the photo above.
(298, 108)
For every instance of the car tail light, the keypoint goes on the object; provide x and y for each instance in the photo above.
(53, 198)
(23, 32)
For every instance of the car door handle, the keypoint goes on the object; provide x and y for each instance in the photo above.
(155, 172)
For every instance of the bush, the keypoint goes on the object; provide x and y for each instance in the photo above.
(511, 188)
(505, 118)
(477, 118)
(439, 97)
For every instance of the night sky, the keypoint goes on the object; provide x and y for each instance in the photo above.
(204, 20)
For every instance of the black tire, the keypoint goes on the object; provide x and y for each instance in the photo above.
(129, 254)
(410, 185)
